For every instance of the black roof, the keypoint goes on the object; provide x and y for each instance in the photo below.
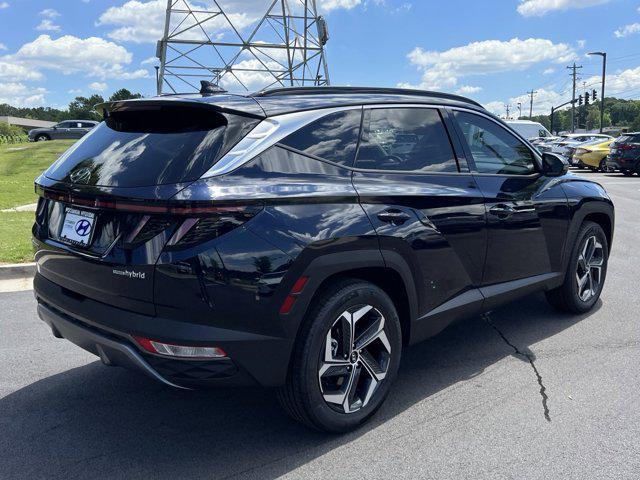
(277, 101)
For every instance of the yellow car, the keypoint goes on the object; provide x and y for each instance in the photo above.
(593, 157)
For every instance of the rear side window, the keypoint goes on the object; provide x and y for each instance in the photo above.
(152, 145)
(333, 137)
(493, 148)
(405, 139)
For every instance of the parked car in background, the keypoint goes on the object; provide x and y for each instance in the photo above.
(625, 154)
(565, 142)
(592, 156)
(68, 129)
(532, 131)
(301, 238)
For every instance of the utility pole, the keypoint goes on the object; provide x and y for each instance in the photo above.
(574, 74)
(531, 94)
(507, 108)
(519, 110)
(604, 72)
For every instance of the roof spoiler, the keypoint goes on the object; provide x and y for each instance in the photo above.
(106, 108)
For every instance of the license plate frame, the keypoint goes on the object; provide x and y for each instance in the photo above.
(77, 227)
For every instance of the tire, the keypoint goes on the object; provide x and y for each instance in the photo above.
(42, 138)
(627, 173)
(317, 399)
(603, 166)
(570, 297)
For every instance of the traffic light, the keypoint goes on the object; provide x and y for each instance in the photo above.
(586, 98)
(594, 95)
(580, 100)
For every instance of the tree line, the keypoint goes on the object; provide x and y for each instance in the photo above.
(80, 108)
(618, 112)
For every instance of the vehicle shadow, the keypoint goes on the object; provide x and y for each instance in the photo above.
(94, 421)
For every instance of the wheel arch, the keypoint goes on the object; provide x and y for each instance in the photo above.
(598, 211)
(367, 265)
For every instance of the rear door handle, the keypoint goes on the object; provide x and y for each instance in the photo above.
(394, 216)
(502, 210)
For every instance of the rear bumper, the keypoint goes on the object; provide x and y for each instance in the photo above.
(107, 332)
(624, 163)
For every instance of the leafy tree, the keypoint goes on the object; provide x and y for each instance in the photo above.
(82, 108)
(123, 94)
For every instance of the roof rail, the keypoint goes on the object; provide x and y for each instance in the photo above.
(364, 90)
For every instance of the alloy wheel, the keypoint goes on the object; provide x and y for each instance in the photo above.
(355, 359)
(589, 268)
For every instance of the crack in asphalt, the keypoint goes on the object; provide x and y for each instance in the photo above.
(531, 359)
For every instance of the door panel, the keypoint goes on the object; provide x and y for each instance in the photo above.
(527, 223)
(527, 214)
(435, 222)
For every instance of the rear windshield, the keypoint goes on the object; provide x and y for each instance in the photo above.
(151, 146)
(628, 139)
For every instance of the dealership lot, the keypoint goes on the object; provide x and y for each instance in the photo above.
(524, 392)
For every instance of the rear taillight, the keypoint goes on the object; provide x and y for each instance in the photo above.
(626, 146)
(195, 230)
(180, 351)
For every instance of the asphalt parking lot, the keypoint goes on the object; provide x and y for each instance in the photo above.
(524, 392)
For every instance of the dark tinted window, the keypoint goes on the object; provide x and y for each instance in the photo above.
(157, 145)
(65, 125)
(405, 139)
(334, 137)
(87, 125)
(494, 149)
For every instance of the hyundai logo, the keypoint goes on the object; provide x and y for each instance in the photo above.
(83, 228)
(82, 175)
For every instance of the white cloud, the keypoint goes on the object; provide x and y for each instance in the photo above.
(49, 13)
(548, 71)
(627, 30)
(468, 90)
(138, 21)
(495, 107)
(13, 71)
(93, 57)
(441, 70)
(47, 25)
(581, 43)
(19, 95)
(3, 5)
(150, 60)
(143, 22)
(98, 86)
(75, 91)
(538, 8)
(620, 82)
(328, 5)
(3, 46)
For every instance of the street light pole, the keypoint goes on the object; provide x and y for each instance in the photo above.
(604, 73)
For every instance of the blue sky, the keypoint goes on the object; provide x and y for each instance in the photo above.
(492, 51)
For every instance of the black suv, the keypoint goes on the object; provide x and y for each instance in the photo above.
(625, 154)
(69, 129)
(301, 238)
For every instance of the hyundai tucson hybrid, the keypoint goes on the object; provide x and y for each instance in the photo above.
(302, 238)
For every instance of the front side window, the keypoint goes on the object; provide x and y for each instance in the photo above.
(405, 139)
(333, 137)
(493, 148)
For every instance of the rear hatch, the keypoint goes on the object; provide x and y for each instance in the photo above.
(105, 211)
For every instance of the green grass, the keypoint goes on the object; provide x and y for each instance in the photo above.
(20, 164)
(15, 237)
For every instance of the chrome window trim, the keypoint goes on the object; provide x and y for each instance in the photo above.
(266, 134)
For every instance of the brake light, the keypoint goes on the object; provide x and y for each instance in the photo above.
(626, 146)
(181, 351)
(147, 207)
(193, 231)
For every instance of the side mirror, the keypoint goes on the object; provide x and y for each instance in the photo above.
(55, 127)
(554, 165)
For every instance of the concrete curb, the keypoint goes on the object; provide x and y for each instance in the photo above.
(17, 270)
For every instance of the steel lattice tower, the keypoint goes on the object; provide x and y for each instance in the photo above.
(284, 47)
